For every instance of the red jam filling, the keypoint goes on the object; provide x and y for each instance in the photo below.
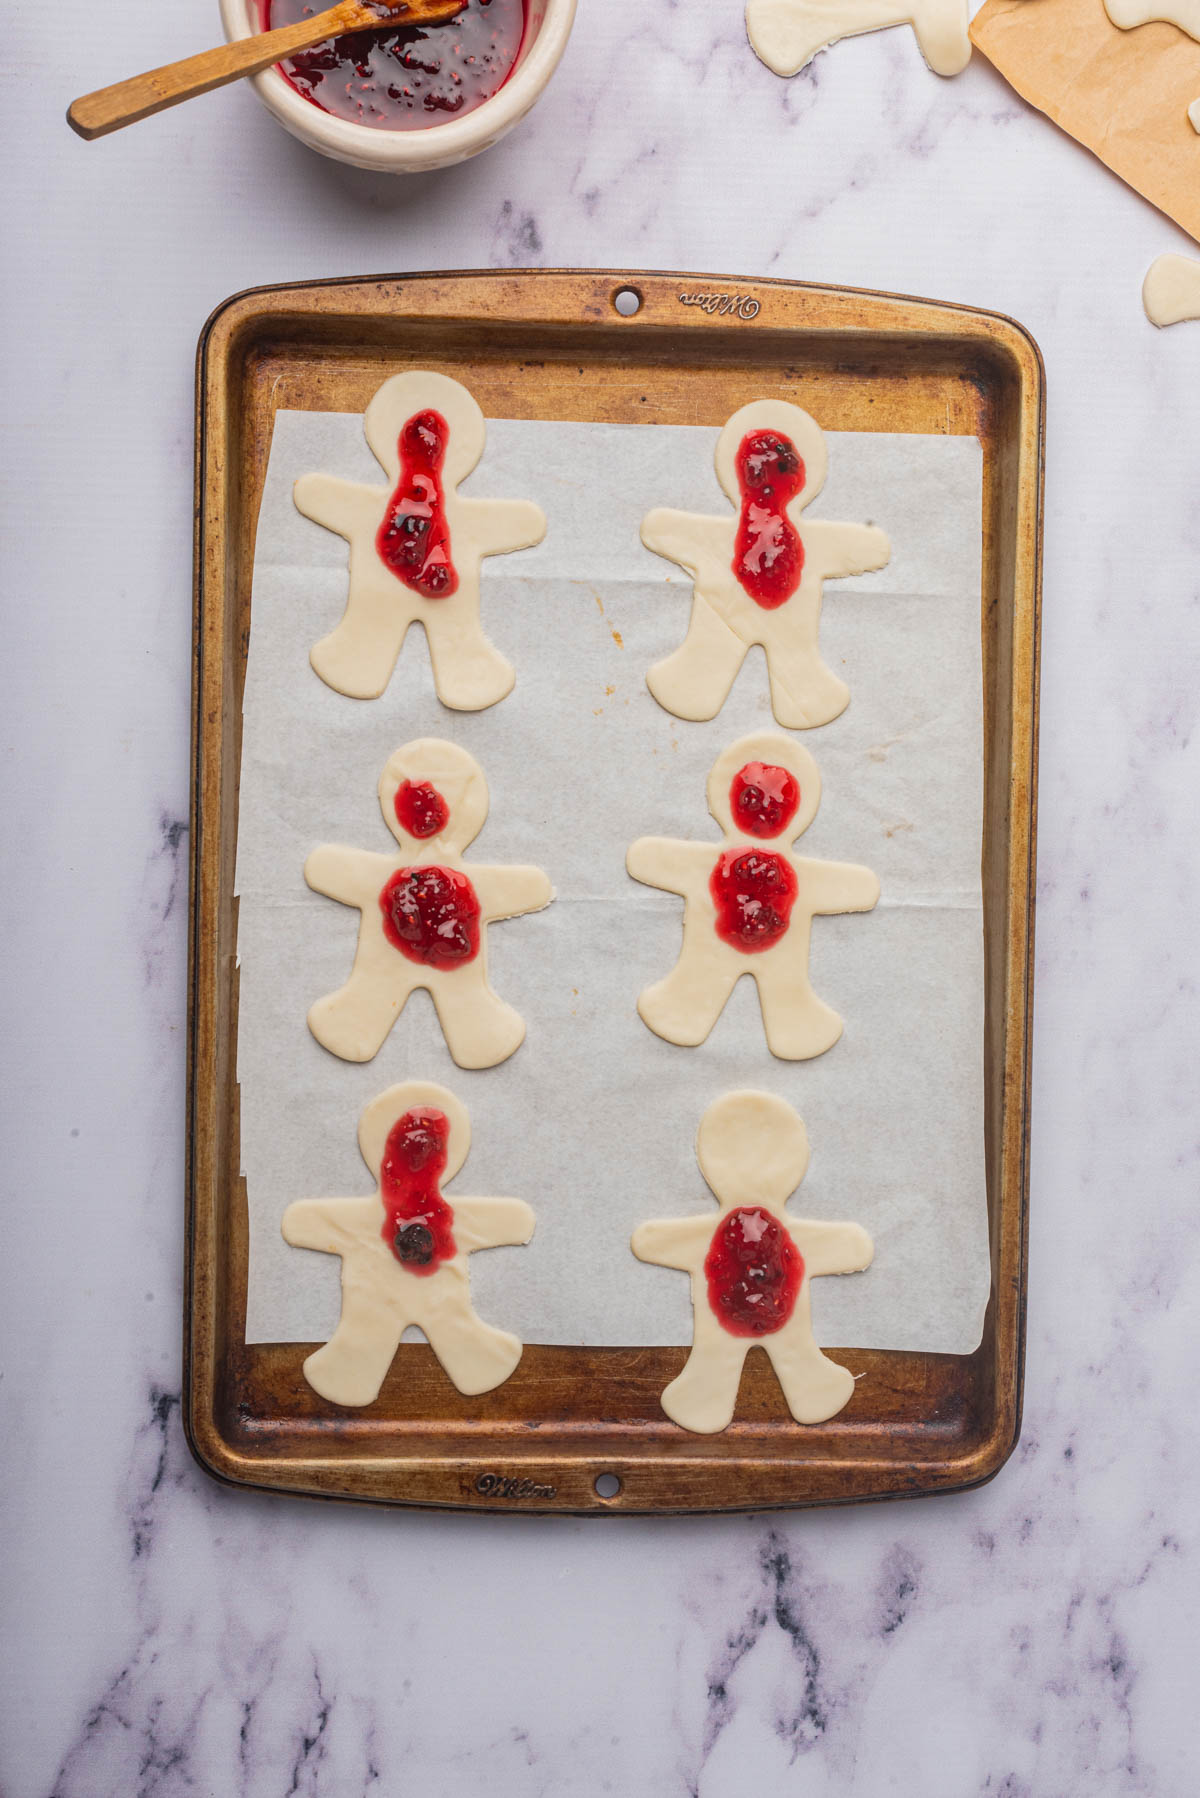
(420, 809)
(753, 892)
(763, 799)
(432, 916)
(754, 1272)
(402, 77)
(414, 538)
(419, 1226)
(768, 556)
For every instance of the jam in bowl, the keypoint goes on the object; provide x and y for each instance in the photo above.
(409, 98)
(403, 77)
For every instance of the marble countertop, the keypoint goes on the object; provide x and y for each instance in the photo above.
(167, 1636)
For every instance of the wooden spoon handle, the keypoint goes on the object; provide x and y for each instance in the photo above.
(95, 115)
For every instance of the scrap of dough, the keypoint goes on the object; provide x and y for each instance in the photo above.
(753, 1151)
(1194, 115)
(695, 681)
(480, 1029)
(683, 1007)
(786, 34)
(358, 657)
(380, 1296)
(1127, 14)
(1171, 290)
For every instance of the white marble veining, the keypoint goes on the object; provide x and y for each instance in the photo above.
(165, 1636)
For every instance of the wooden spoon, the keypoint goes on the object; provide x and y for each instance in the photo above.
(95, 115)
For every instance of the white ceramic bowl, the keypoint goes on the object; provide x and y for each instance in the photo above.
(548, 26)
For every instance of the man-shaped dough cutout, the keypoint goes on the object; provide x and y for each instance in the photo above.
(404, 1251)
(424, 915)
(786, 34)
(416, 546)
(748, 909)
(751, 1272)
(758, 576)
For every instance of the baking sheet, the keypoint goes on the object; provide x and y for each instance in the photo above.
(593, 1119)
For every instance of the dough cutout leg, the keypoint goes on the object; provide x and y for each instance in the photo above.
(353, 1364)
(825, 696)
(798, 1024)
(683, 1009)
(702, 1398)
(941, 28)
(469, 673)
(480, 1029)
(786, 34)
(476, 1356)
(358, 656)
(353, 1022)
(815, 1387)
(694, 682)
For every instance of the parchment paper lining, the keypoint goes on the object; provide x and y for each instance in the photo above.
(593, 1119)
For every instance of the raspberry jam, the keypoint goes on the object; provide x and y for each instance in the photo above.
(419, 1226)
(420, 809)
(753, 892)
(431, 915)
(414, 538)
(763, 799)
(402, 77)
(754, 1272)
(768, 556)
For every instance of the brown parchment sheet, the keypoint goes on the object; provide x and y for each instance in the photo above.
(1122, 94)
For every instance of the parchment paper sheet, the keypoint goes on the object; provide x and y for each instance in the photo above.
(1123, 94)
(593, 1120)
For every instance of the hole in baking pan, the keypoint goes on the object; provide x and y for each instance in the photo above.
(607, 1485)
(627, 301)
